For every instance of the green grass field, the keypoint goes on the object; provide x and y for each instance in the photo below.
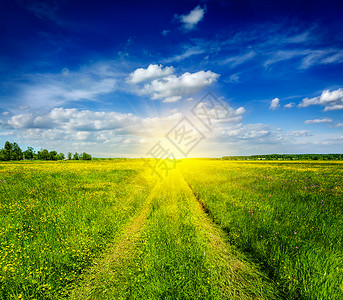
(210, 230)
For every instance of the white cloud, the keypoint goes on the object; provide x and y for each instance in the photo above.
(193, 18)
(326, 56)
(221, 112)
(172, 99)
(186, 84)
(151, 73)
(234, 78)
(298, 133)
(21, 121)
(189, 52)
(165, 32)
(308, 57)
(240, 59)
(317, 121)
(72, 129)
(51, 90)
(333, 107)
(284, 55)
(330, 100)
(5, 113)
(73, 119)
(247, 132)
(274, 104)
(82, 135)
(125, 134)
(289, 105)
(299, 38)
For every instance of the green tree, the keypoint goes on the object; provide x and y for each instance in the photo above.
(70, 155)
(16, 153)
(60, 156)
(28, 154)
(76, 156)
(7, 151)
(43, 154)
(86, 156)
(2, 155)
(53, 155)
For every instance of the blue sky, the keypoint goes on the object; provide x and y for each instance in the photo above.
(112, 78)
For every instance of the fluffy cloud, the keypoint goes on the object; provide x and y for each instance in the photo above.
(274, 104)
(193, 18)
(73, 119)
(84, 129)
(289, 105)
(128, 135)
(21, 121)
(317, 121)
(248, 131)
(162, 84)
(151, 73)
(172, 88)
(330, 100)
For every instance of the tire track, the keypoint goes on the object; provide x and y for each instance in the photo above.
(235, 275)
(111, 267)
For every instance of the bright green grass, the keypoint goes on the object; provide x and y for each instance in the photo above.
(287, 216)
(109, 230)
(56, 217)
(179, 255)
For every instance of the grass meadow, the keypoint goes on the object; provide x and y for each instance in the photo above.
(212, 229)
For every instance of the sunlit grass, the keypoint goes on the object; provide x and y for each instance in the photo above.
(286, 216)
(56, 217)
(110, 229)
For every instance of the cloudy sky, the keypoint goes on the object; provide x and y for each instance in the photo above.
(113, 78)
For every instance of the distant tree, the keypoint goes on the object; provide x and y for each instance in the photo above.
(2, 155)
(53, 155)
(76, 156)
(16, 153)
(60, 156)
(86, 156)
(43, 154)
(7, 151)
(12, 151)
(28, 154)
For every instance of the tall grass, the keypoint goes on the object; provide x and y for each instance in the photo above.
(56, 217)
(284, 220)
(180, 255)
(286, 216)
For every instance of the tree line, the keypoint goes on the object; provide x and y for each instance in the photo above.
(12, 151)
(287, 157)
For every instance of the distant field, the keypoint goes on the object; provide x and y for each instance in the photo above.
(210, 230)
